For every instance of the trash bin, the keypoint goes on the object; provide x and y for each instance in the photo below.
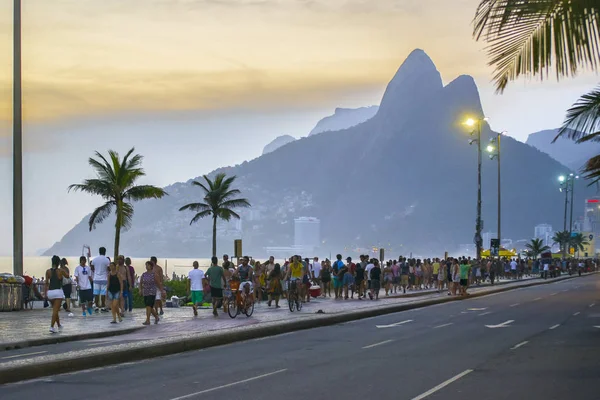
(11, 292)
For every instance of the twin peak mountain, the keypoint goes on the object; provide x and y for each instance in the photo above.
(404, 179)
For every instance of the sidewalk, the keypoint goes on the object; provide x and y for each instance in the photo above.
(33, 325)
(180, 331)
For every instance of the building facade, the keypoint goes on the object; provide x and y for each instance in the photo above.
(545, 233)
(307, 233)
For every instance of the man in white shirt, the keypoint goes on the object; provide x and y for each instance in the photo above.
(100, 265)
(83, 276)
(513, 268)
(195, 278)
(368, 269)
(315, 269)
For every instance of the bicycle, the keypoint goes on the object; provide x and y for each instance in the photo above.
(237, 303)
(293, 296)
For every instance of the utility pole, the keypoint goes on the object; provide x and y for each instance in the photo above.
(17, 144)
(478, 238)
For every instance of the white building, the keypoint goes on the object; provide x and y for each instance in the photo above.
(307, 233)
(545, 233)
(487, 239)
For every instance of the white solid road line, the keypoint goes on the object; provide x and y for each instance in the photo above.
(396, 324)
(485, 313)
(554, 326)
(577, 313)
(519, 345)
(229, 385)
(514, 305)
(441, 326)
(23, 355)
(377, 344)
(443, 385)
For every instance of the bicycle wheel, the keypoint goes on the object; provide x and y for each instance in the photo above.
(298, 304)
(291, 301)
(232, 308)
(249, 309)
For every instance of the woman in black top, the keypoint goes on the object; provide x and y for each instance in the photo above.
(375, 279)
(114, 292)
(53, 291)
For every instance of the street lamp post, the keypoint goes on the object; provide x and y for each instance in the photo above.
(567, 184)
(494, 151)
(573, 177)
(17, 144)
(478, 225)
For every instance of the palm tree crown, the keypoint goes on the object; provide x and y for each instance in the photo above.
(115, 183)
(536, 247)
(219, 201)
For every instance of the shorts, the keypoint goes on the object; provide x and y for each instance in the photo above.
(337, 283)
(396, 280)
(55, 294)
(113, 296)
(404, 280)
(149, 300)
(86, 295)
(100, 288)
(375, 284)
(216, 293)
(464, 282)
(67, 290)
(197, 297)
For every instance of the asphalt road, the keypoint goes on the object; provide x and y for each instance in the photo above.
(534, 343)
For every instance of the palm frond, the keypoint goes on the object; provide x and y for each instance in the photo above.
(591, 170)
(143, 192)
(196, 207)
(200, 215)
(100, 214)
(196, 183)
(528, 37)
(97, 187)
(226, 214)
(126, 217)
(235, 203)
(583, 119)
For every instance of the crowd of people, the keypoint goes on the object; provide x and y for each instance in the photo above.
(103, 280)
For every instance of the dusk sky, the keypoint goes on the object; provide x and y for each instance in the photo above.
(199, 84)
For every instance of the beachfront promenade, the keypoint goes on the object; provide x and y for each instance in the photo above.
(30, 346)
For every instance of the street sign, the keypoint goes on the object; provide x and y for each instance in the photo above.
(237, 248)
(381, 254)
(495, 247)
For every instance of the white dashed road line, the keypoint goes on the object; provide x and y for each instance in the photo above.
(23, 355)
(514, 305)
(577, 313)
(519, 345)
(539, 298)
(554, 326)
(377, 344)
(485, 313)
(441, 326)
(592, 305)
(442, 385)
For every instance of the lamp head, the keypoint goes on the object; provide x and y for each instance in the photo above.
(490, 148)
(561, 178)
(470, 122)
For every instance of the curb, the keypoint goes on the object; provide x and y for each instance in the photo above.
(34, 370)
(63, 339)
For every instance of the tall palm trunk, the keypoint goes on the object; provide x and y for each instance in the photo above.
(118, 223)
(214, 244)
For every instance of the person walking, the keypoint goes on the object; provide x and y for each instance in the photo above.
(275, 288)
(100, 267)
(194, 287)
(53, 292)
(114, 292)
(160, 294)
(375, 275)
(216, 279)
(123, 272)
(67, 285)
(128, 293)
(326, 278)
(149, 284)
(83, 277)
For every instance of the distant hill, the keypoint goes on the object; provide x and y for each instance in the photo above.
(565, 151)
(344, 118)
(404, 180)
(277, 143)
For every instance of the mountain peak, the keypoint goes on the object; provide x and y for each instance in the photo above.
(416, 79)
(277, 143)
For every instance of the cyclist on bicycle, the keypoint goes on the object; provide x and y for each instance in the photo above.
(295, 274)
(245, 274)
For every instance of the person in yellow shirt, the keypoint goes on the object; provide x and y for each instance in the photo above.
(295, 273)
(436, 271)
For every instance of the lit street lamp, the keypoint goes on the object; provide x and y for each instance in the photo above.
(476, 125)
(567, 185)
(494, 150)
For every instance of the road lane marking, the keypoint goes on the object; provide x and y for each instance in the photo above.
(539, 298)
(502, 325)
(377, 344)
(485, 313)
(441, 326)
(514, 305)
(566, 290)
(554, 326)
(477, 309)
(553, 294)
(396, 324)
(443, 385)
(229, 385)
(577, 313)
(519, 345)
(23, 355)
(592, 305)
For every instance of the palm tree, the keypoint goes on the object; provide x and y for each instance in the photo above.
(219, 202)
(536, 247)
(527, 37)
(563, 239)
(578, 242)
(115, 183)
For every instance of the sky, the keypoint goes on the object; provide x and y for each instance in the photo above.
(199, 84)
